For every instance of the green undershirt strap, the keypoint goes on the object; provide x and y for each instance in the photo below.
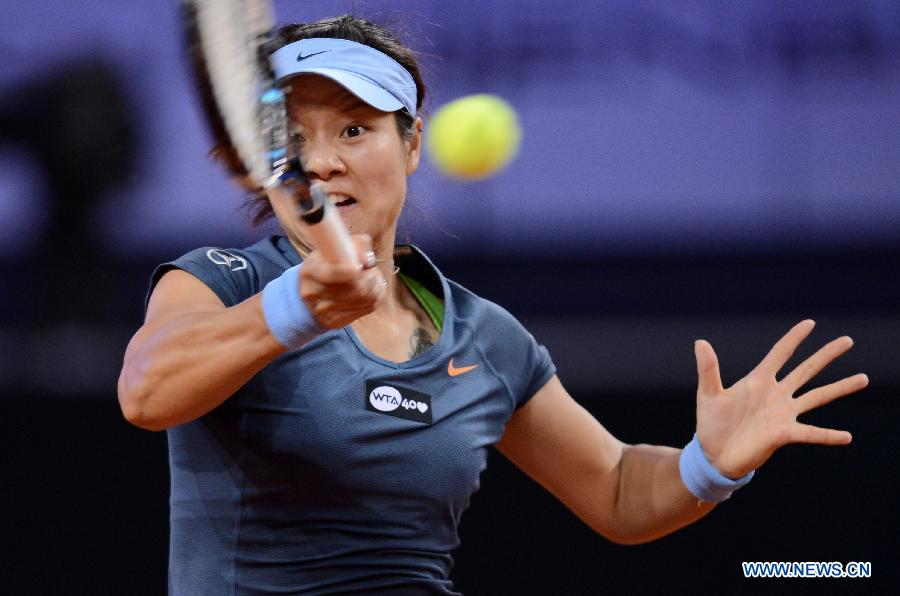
(431, 303)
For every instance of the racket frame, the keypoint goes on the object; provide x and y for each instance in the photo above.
(281, 172)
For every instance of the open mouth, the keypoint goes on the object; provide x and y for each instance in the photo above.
(341, 200)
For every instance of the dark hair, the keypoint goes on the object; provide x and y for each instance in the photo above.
(361, 31)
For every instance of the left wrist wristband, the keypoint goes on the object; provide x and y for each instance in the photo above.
(702, 479)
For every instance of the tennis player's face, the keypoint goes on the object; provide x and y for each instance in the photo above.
(356, 152)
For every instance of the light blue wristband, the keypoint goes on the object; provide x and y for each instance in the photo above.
(286, 314)
(702, 478)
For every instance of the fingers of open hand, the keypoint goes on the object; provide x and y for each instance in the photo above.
(815, 363)
(822, 395)
(710, 381)
(782, 351)
(805, 433)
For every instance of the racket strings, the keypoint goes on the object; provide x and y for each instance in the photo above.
(230, 31)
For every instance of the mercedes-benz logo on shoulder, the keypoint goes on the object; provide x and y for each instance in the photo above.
(223, 257)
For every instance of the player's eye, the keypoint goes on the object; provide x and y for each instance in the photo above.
(354, 130)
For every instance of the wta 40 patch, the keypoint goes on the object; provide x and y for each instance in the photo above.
(402, 402)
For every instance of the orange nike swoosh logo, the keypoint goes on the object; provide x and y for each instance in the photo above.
(454, 372)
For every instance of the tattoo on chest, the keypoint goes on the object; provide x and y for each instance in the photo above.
(419, 341)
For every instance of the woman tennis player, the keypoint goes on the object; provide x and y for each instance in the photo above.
(327, 424)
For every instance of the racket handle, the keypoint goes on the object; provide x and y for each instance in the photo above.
(330, 236)
(324, 227)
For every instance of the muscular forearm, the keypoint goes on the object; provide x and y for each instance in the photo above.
(182, 369)
(652, 500)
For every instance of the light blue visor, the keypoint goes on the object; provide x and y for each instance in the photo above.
(370, 75)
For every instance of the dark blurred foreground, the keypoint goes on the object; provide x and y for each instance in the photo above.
(86, 509)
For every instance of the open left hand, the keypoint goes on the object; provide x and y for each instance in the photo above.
(740, 427)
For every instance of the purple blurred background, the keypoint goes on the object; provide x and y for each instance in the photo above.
(649, 127)
(689, 169)
(699, 167)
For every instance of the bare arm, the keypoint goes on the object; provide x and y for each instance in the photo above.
(634, 493)
(191, 354)
(627, 493)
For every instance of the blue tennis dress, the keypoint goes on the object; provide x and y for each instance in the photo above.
(333, 470)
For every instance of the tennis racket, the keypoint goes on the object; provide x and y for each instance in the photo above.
(230, 42)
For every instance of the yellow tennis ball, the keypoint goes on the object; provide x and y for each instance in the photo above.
(474, 136)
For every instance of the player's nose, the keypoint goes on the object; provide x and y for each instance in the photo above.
(321, 161)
